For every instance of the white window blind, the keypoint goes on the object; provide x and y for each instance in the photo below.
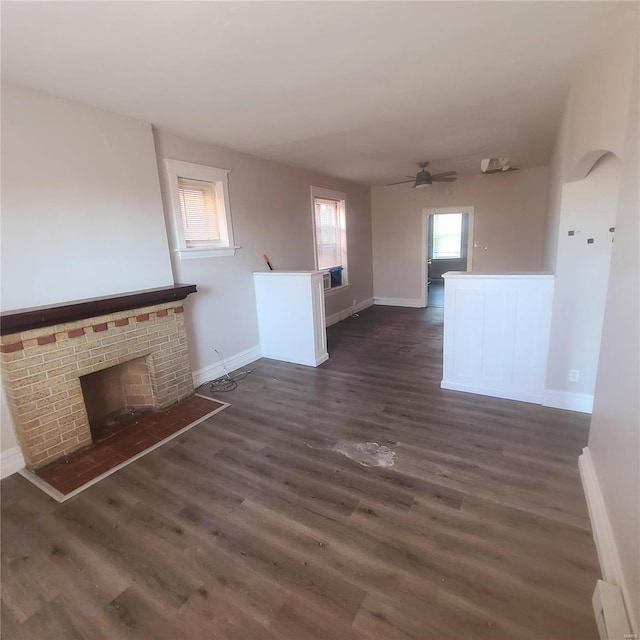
(447, 236)
(199, 208)
(329, 233)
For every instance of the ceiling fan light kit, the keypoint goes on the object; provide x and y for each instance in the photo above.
(422, 182)
(425, 179)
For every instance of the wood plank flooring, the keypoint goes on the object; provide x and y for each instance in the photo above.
(250, 527)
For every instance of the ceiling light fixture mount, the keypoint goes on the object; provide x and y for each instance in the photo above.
(496, 165)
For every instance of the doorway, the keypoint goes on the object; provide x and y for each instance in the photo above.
(448, 246)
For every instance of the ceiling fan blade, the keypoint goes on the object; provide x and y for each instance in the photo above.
(403, 182)
(445, 174)
(451, 179)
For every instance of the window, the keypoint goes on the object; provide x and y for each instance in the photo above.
(330, 233)
(200, 206)
(447, 236)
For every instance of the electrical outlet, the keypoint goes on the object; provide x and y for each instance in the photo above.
(574, 375)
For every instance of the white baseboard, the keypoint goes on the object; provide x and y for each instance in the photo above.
(582, 402)
(400, 302)
(495, 393)
(343, 314)
(294, 358)
(610, 613)
(608, 555)
(236, 361)
(11, 461)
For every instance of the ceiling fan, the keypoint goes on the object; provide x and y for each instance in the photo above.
(424, 179)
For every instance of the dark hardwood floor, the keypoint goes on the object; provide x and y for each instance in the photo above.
(249, 527)
(435, 296)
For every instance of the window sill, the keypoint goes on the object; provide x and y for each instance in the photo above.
(191, 254)
(334, 290)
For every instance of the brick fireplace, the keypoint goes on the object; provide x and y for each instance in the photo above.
(50, 355)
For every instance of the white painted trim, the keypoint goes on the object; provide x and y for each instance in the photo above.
(285, 274)
(295, 359)
(62, 497)
(582, 402)
(236, 361)
(400, 302)
(430, 211)
(195, 254)
(11, 461)
(495, 393)
(608, 555)
(609, 610)
(343, 314)
(329, 194)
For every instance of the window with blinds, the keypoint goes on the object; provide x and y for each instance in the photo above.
(201, 213)
(329, 209)
(199, 210)
(447, 236)
(329, 233)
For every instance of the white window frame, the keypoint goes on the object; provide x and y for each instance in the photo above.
(220, 179)
(468, 209)
(330, 194)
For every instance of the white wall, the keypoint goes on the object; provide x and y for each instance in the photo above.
(614, 439)
(554, 203)
(508, 221)
(598, 108)
(602, 115)
(81, 208)
(271, 212)
(583, 197)
(593, 122)
(582, 271)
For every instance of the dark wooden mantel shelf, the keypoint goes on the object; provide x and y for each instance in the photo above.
(47, 316)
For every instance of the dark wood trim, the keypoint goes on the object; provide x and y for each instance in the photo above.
(46, 316)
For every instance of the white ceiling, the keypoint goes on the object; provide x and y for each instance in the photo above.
(360, 90)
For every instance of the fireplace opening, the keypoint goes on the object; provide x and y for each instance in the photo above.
(114, 396)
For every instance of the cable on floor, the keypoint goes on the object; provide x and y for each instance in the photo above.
(227, 382)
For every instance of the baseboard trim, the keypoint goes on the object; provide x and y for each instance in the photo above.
(608, 555)
(236, 361)
(495, 393)
(294, 358)
(11, 461)
(343, 314)
(400, 302)
(582, 402)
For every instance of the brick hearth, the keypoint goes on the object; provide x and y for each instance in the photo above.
(41, 371)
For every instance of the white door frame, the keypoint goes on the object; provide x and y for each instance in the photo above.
(430, 211)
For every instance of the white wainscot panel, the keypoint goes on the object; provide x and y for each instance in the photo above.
(496, 334)
(291, 316)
